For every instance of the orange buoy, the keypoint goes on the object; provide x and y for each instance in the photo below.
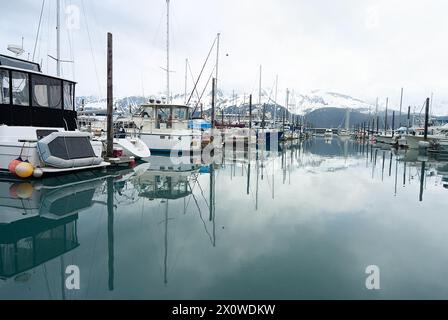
(24, 169)
(13, 164)
(13, 191)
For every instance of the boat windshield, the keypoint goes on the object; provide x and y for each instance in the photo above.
(164, 115)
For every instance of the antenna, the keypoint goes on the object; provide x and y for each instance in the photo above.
(16, 49)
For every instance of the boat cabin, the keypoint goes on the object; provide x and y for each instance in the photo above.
(30, 98)
(165, 116)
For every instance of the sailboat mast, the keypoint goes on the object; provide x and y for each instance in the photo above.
(347, 119)
(168, 51)
(58, 38)
(276, 92)
(186, 71)
(259, 88)
(217, 58)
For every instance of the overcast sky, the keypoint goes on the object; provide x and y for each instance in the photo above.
(363, 48)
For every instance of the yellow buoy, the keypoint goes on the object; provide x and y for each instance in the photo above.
(24, 170)
(24, 190)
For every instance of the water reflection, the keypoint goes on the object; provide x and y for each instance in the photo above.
(170, 229)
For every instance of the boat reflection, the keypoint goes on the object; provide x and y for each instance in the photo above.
(38, 219)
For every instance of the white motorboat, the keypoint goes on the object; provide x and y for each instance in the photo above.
(129, 142)
(38, 122)
(328, 133)
(416, 137)
(166, 128)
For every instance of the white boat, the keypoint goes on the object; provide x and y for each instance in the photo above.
(129, 142)
(384, 138)
(38, 122)
(416, 138)
(344, 133)
(328, 133)
(165, 128)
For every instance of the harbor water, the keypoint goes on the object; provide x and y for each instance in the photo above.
(301, 222)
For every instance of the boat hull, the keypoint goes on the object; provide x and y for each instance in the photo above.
(172, 142)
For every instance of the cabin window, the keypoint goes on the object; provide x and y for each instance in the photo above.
(20, 91)
(164, 118)
(47, 92)
(180, 114)
(4, 87)
(68, 96)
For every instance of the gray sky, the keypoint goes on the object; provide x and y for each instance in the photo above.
(363, 48)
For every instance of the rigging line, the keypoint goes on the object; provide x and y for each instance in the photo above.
(202, 70)
(200, 214)
(203, 91)
(38, 28)
(202, 193)
(192, 78)
(70, 40)
(91, 47)
(48, 36)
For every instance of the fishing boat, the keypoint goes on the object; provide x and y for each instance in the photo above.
(38, 123)
(328, 133)
(416, 137)
(165, 128)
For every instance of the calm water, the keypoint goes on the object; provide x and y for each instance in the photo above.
(304, 224)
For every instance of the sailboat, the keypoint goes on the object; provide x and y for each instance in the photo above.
(346, 131)
(163, 126)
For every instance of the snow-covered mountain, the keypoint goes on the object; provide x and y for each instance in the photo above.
(298, 103)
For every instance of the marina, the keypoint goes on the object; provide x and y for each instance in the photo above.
(166, 231)
(205, 165)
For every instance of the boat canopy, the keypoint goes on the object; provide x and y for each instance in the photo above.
(30, 98)
(19, 63)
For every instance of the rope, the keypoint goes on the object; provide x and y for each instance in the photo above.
(91, 47)
(202, 70)
(38, 28)
(203, 91)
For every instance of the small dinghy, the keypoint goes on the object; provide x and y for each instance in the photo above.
(69, 149)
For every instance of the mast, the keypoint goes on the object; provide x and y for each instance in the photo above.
(186, 71)
(217, 58)
(401, 104)
(275, 108)
(259, 88)
(347, 120)
(168, 51)
(58, 38)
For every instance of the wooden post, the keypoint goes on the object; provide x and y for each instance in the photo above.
(110, 99)
(110, 230)
(393, 123)
(385, 121)
(426, 118)
(377, 124)
(409, 120)
(250, 112)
